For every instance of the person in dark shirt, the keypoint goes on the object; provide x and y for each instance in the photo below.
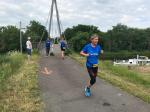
(62, 47)
(47, 46)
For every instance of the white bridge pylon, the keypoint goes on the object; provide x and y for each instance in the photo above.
(54, 5)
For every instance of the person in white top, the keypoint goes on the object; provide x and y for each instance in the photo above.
(29, 47)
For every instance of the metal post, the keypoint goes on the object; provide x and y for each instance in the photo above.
(20, 39)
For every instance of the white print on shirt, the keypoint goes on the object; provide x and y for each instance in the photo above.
(94, 54)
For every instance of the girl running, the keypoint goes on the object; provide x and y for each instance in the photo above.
(92, 52)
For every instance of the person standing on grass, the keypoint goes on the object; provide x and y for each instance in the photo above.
(62, 47)
(92, 52)
(47, 45)
(29, 48)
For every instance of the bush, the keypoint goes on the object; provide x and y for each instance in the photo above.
(35, 51)
(68, 51)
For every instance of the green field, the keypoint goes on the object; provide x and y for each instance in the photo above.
(134, 81)
(18, 84)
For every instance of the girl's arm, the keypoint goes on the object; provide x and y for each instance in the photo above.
(84, 54)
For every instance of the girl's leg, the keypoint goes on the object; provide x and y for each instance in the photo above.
(46, 51)
(92, 73)
(62, 54)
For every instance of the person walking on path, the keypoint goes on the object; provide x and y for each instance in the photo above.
(29, 48)
(92, 52)
(47, 45)
(62, 47)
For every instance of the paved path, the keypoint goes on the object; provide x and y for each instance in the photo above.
(62, 89)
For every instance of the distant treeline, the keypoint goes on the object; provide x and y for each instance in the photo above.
(121, 37)
(10, 36)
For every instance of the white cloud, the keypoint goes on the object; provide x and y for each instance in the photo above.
(127, 19)
(102, 13)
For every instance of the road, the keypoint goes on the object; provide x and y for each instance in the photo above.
(62, 89)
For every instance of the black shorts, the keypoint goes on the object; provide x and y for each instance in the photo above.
(63, 48)
(29, 51)
(92, 71)
(93, 74)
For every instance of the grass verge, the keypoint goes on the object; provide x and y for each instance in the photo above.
(19, 90)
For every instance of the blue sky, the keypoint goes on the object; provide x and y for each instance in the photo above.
(101, 13)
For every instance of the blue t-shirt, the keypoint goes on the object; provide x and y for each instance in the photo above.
(62, 44)
(93, 52)
(48, 43)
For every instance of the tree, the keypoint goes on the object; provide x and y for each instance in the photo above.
(35, 30)
(71, 32)
(79, 40)
(121, 37)
(9, 38)
(148, 38)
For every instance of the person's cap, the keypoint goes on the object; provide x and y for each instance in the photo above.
(29, 37)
